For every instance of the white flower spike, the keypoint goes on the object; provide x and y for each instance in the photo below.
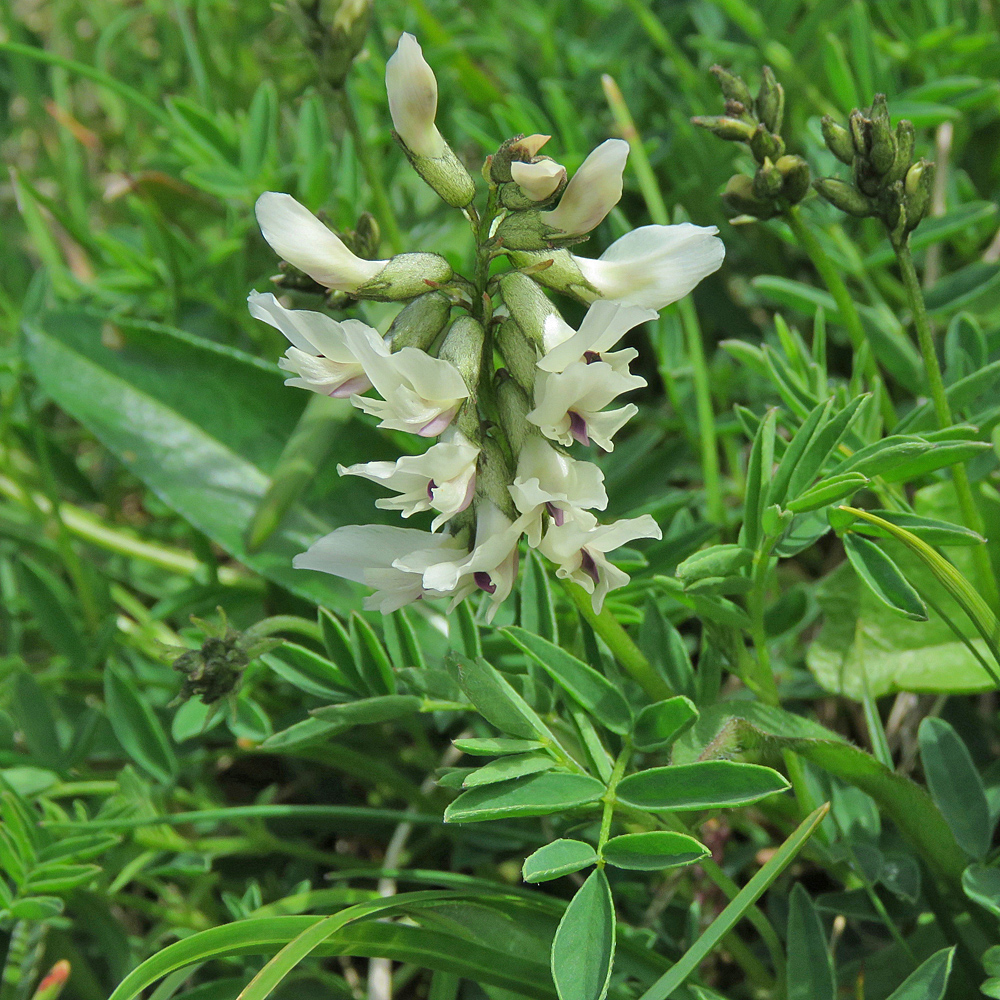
(296, 235)
(443, 478)
(548, 481)
(592, 192)
(367, 553)
(579, 545)
(654, 265)
(569, 405)
(604, 325)
(412, 90)
(319, 355)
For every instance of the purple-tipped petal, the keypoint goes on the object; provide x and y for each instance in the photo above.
(578, 427)
(589, 567)
(483, 582)
(358, 384)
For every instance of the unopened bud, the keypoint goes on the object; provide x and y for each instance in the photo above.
(405, 276)
(838, 140)
(348, 29)
(843, 196)
(525, 231)
(740, 198)
(770, 101)
(412, 90)
(419, 322)
(558, 270)
(883, 142)
(537, 181)
(513, 405)
(767, 181)
(528, 306)
(366, 237)
(592, 192)
(463, 347)
(519, 354)
(795, 177)
(859, 135)
(519, 148)
(732, 86)
(905, 142)
(731, 129)
(736, 109)
(494, 476)
(918, 186)
(766, 144)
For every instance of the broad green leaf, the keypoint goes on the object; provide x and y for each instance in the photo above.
(558, 858)
(658, 725)
(59, 878)
(372, 659)
(884, 577)
(513, 766)
(653, 851)
(468, 630)
(810, 970)
(300, 732)
(583, 950)
(930, 979)
(935, 229)
(982, 885)
(53, 606)
(538, 613)
(955, 785)
(36, 908)
(667, 983)
(828, 491)
(340, 649)
(497, 701)
(664, 648)
(249, 721)
(495, 746)
(817, 419)
(368, 710)
(137, 728)
(591, 690)
(537, 795)
(967, 288)
(203, 426)
(716, 560)
(36, 722)
(702, 785)
(822, 444)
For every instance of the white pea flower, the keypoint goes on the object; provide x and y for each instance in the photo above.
(443, 478)
(569, 405)
(413, 93)
(592, 192)
(420, 394)
(654, 265)
(604, 325)
(579, 545)
(296, 235)
(490, 566)
(368, 553)
(538, 180)
(549, 481)
(319, 355)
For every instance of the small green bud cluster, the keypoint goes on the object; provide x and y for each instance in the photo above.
(782, 179)
(885, 181)
(335, 30)
(214, 670)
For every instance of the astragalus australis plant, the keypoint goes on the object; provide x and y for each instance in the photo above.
(484, 365)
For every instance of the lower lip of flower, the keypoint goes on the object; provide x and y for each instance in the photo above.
(434, 427)
(589, 567)
(556, 513)
(483, 582)
(352, 386)
(431, 487)
(591, 356)
(578, 427)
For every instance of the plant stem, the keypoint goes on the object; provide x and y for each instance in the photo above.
(935, 383)
(625, 651)
(609, 798)
(849, 315)
(767, 687)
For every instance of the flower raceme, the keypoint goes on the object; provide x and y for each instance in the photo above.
(498, 466)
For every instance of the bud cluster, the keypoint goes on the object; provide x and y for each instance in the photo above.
(885, 182)
(485, 368)
(781, 179)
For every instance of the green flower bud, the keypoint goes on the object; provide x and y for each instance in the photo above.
(732, 86)
(767, 181)
(905, 141)
(463, 347)
(764, 144)
(446, 174)
(731, 129)
(519, 354)
(859, 136)
(405, 276)
(770, 101)
(528, 305)
(918, 187)
(494, 476)
(558, 270)
(367, 236)
(883, 142)
(513, 404)
(795, 177)
(845, 197)
(838, 140)
(739, 196)
(521, 148)
(525, 231)
(419, 322)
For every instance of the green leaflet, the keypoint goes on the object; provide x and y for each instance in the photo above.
(583, 950)
(558, 858)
